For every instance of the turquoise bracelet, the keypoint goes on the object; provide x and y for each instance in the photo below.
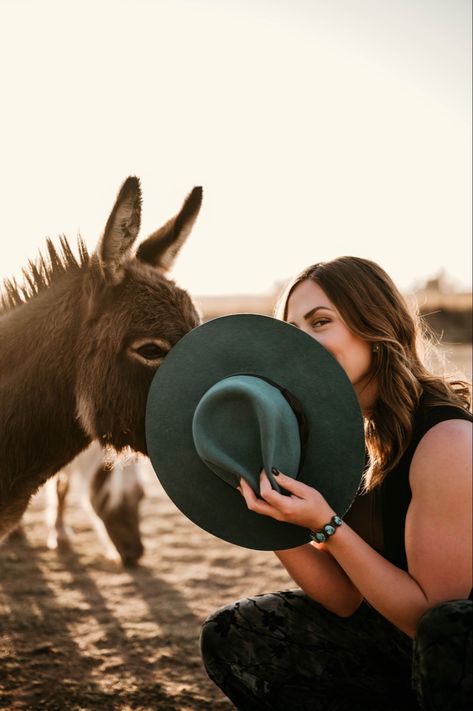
(324, 533)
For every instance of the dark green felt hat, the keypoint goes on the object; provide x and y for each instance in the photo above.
(240, 393)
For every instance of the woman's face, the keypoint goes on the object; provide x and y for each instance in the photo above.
(311, 310)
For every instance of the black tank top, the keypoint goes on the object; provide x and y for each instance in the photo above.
(379, 516)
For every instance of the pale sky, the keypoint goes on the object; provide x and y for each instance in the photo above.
(316, 127)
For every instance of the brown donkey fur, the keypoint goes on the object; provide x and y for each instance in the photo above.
(80, 343)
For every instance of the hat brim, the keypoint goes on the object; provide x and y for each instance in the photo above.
(264, 346)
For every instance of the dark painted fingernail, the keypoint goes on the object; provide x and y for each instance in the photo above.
(275, 471)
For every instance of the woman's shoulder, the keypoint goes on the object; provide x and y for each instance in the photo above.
(443, 455)
(429, 413)
(434, 418)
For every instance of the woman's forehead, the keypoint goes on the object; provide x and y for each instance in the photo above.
(307, 295)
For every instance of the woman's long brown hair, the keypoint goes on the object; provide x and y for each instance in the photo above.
(372, 308)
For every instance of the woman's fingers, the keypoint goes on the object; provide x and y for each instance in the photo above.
(299, 506)
(270, 494)
(282, 503)
(293, 486)
(265, 487)
(247, 491)
(255, 504)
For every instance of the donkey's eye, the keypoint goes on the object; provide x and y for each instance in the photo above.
(151, 351)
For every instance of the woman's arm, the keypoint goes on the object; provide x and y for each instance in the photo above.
(438, 530)
(321, 578)
(438, 534)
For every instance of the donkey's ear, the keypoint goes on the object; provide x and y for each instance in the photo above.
(161, 248)
(121, 230)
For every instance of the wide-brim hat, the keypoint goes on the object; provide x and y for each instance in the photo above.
(240, 393)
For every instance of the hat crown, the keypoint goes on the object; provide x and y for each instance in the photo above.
(242, 424)
(315, 385)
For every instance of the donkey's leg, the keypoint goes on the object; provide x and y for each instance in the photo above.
(11, 513)
(56, 490)
(94, 500)
(109, 549)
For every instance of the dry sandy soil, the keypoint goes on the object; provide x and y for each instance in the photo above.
(78, 631)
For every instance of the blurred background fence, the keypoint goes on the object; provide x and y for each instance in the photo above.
(446, 312)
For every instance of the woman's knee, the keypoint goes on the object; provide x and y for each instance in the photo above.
(233, 630)
(445, 623)
(214, 633)
(222, 635)
(442, 660)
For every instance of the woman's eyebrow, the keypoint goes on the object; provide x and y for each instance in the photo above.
(316, 308)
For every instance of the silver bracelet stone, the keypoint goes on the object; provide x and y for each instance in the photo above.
(324, 533)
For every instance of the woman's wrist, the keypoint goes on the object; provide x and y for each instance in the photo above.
(322, 516)
(323, 533)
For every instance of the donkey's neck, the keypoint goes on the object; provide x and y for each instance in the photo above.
(39, 432)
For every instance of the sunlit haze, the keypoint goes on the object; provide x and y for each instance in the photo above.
(317, 128)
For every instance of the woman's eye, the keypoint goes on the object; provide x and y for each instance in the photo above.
(320, 322)
(151, 351)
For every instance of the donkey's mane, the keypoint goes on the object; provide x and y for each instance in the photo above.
(42, 272)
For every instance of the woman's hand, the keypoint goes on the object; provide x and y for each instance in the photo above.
(304, 507)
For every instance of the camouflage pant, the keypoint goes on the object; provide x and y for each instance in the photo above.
(285, 651)
(442, 669)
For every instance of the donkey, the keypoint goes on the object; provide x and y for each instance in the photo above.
(109, 490)
(80, 342)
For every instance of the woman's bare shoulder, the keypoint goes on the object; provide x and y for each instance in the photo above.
(446, 447)
(438, 522)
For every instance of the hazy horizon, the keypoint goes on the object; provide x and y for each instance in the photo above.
(316, 129)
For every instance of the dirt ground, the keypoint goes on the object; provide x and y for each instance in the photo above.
(78, 631)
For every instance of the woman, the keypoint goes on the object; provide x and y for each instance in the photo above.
(345, 640)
